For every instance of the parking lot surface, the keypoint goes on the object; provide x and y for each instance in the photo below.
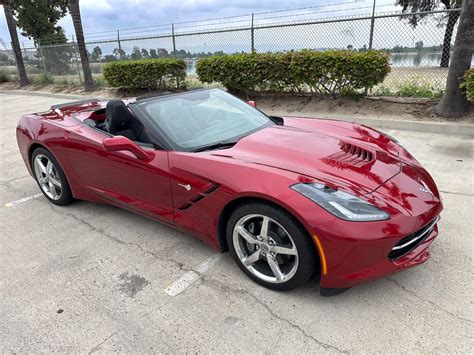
(94, 278)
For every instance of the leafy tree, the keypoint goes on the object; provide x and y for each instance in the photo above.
(38, 21)
(162, 53)
(153, 53)
(120, 54)
(96, 54)
(110, 58)
(75, 12)
(145, 53)
(418, 7)
(454, 102)
(15, 44)
(136, 53)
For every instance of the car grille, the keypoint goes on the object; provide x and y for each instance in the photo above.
(353, 155)
(409, 243)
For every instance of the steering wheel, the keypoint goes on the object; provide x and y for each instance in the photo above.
(215, 117)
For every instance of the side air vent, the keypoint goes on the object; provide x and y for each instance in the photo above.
(352, 155)
(198, 197)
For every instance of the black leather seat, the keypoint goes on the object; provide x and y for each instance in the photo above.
(119, 121)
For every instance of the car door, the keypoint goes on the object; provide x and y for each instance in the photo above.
(120, 177)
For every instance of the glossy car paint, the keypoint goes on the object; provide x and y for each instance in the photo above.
(261, 166)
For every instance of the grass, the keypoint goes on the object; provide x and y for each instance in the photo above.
(5, 76)
(409, 89)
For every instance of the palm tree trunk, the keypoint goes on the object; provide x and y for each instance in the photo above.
(454, 102)
(448, 34)
(15, 44)
(76, 20)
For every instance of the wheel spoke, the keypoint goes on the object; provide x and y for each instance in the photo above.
(247, 235)
(40, 166)
(55, 182)
(42, 180)
(253, 258)
(275, 267)
(49, 167)
(264, 230)
(284, 250)
(52, 190)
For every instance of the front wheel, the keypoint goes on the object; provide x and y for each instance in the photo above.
(270, 247)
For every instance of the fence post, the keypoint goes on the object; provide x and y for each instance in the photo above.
(252, 35)
(42, 57)
(118, 39)
(174, 39)
(372, 23)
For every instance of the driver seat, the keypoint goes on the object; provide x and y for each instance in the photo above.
(119, 121)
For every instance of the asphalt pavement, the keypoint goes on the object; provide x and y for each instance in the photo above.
(94, 278)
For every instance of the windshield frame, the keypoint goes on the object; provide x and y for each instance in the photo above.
(168, 142)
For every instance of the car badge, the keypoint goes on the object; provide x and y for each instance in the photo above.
(187, 186)
(425, 188)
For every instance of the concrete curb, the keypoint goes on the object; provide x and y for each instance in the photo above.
(452, 128)
(455, 128)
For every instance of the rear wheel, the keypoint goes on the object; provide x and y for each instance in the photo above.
(50, 177)
(270, 246)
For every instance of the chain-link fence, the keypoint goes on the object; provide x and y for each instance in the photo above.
(416, 52)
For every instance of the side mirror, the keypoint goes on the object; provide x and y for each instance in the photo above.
(252, 103)
(118, 143)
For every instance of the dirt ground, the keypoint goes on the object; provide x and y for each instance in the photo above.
(397, 108)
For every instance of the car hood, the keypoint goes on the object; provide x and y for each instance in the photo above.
(337, 153)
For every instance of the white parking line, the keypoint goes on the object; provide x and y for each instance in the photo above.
(24, 199)
(191, 277)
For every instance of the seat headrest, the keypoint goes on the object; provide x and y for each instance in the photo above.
(117, 116)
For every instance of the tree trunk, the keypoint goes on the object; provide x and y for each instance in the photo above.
(448, 34)
(81, 45)
(454, 102)
(15, 44)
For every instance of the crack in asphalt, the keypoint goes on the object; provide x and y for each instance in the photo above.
(221, 285)
(429, 301)
(456, 193)
(155, 255)
(8, 182)
(97, 347)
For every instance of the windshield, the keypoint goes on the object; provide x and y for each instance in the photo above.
(198, 119)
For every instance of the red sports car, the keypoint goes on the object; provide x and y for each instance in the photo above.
(288, 196)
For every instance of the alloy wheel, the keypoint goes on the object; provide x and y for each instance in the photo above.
(48, 177)
(265, 248)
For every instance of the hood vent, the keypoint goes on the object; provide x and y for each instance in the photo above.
(352, 155)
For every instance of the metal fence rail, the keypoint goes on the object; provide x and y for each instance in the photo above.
(415, 52)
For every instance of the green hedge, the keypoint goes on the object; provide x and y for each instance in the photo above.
(146, 74)
(468, 84)
(319, 72)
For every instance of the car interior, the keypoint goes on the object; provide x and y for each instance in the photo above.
(118, 120)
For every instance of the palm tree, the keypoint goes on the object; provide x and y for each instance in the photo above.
(75, 12)
(454, 102)
(15, 44)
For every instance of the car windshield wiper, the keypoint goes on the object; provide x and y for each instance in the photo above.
(218, 145)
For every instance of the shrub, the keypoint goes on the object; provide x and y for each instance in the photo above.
(415, 89)
(468, 84)
(5, 76)
(327, 72)
(43, 78)
(146, 74)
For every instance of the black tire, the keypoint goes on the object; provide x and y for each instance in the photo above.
(65, 197)
(307, 257)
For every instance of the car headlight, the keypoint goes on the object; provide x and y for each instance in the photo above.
(341, 204)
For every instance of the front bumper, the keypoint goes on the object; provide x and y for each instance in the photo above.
(357, 252)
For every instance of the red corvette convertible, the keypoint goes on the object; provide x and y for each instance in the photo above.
(289, 197)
